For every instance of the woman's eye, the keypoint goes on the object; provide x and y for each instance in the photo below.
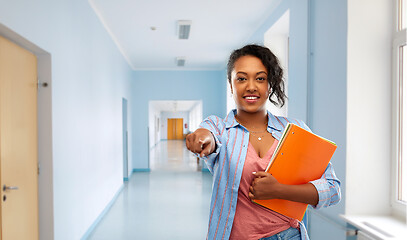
(240, 79)
(261, 78)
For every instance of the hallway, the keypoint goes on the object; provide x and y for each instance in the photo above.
(170, 202)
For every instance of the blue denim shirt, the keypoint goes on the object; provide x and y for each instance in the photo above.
(226, 164)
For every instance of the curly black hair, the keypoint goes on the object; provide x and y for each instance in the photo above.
(270, 61)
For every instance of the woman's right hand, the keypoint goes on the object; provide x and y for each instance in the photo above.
(201, 142)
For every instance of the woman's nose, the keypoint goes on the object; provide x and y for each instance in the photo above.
(251, 86)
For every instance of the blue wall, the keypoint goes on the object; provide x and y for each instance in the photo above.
(328, 96)
(208, 86)
(298, 52)
(89, 79)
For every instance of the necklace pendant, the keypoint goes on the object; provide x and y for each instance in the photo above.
(259, 138)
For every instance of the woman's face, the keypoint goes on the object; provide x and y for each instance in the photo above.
(249, 84)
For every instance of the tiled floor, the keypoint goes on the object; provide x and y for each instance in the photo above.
(170, 202)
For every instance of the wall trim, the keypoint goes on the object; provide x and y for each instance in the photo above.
(90, 230)
(141, 170)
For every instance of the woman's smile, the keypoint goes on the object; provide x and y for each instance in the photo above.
(251, 98)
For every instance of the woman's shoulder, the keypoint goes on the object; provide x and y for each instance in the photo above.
(228, 120)
(282, 120)
(290, 120)
(215, 119)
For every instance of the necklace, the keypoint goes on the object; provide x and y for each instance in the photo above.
(258, 136)
(254, 133)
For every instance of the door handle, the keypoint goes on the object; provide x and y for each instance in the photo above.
(5, 188)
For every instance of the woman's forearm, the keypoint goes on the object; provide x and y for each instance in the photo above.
(305, 193)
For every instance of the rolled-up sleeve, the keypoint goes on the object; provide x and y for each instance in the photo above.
(328, 187)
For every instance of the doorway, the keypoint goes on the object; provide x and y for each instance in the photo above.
(169, 122)
(277, 39)
(18, 143)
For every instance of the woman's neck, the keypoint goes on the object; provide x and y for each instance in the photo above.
(255, 120)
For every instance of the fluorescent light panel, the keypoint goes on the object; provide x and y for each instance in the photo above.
(180, 61)
(184, 28)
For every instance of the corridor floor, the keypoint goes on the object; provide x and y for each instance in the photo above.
(170, 202)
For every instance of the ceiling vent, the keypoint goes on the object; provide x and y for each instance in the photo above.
(180, 61)
(184, 27)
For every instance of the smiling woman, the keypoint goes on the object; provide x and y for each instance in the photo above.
(241, 145)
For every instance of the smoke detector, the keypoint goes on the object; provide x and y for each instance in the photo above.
(183, 29)
(180, 61)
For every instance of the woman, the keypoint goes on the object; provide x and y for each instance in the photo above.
(238, 148)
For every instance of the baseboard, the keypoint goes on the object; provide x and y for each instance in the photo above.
(141, 170)
(101, 215)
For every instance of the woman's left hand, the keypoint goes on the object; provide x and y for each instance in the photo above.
(264, 186)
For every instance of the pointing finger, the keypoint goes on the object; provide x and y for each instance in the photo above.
(206, 150)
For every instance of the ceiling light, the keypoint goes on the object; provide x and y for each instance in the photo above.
(175, 106)
(180, 61)
(184, 27)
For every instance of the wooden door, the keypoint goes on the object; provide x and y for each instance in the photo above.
(170, 130)
(175, 128)
(179, 122)
(18, 143)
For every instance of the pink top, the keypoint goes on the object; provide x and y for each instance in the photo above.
(253, 221)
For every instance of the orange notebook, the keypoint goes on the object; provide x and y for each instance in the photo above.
(300, 157)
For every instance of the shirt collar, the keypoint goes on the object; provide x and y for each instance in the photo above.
(230, 119)
(272, 121)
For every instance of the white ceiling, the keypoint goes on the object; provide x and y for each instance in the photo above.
(218, 27)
